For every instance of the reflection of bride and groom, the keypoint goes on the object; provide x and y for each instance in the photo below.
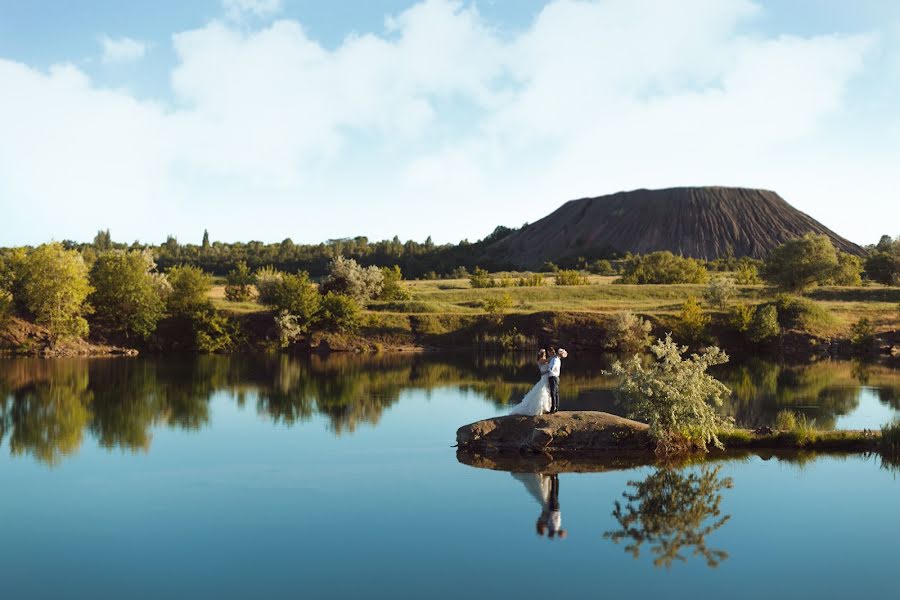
(544, 396)
(545, 489)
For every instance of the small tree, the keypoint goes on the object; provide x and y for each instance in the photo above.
(347, 277)
(497, 306)
(238, 283)
(627, 332)
(747, 273)
(862, 335)
(802, 262)
(764, 325)
(268, 280)
(675, 396)
(663, 267)
(392, 287)
(340, 313)
(190, 287)
(481, 279)
(570, 277)
(601, 267)
(126, 298)
(740, 317)
(849, 270)
(54, 286)
(692, 322)
(297, 296)
(720, 290)
(531, 280)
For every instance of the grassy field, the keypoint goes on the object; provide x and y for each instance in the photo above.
(878, 303)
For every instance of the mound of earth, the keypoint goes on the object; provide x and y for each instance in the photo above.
(701, 222)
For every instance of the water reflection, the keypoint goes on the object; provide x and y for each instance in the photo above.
(48, 406)
(672, 512)
(544, 488)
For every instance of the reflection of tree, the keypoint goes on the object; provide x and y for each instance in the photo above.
(672, 511)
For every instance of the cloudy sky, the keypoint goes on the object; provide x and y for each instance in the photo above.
(266, 119)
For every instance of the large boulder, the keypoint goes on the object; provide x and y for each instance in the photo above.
(562, 433)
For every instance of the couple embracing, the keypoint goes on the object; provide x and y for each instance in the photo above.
(544, 396)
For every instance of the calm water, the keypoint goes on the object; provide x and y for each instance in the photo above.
(284, 477)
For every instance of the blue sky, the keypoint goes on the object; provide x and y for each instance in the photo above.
(266, 119)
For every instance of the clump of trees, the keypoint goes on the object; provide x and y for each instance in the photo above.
(129, 297)
(675, 396)
(662, 267)
(883, 262)
(811, 260)
(627, 332)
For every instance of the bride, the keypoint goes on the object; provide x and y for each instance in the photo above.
(537, 400)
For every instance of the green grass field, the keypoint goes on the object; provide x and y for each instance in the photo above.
(878, 303)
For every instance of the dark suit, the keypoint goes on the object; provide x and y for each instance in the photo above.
(553, 382)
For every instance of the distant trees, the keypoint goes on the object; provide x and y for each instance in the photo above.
(54, 287)
(662, 267)
(810, 260)
(883, 263)
(126, 297)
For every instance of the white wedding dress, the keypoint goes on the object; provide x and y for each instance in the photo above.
(537, 400)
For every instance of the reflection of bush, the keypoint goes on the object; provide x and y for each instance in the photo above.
(672, 512)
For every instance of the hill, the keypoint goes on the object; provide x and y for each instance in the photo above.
(701, 222)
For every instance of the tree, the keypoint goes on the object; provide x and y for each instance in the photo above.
(627, 332)
(692, 322)
(849, 270)
(238, 283)
(883, 263)
(205, 243)
(347, 277)
(496, 306)
(126, 297)
(392, 287)
(675, 396)
(720, 290)
(297, 296)
(190, 286)
(764, 325)
(340, 313)
(480, 279)
(663, 267)
(747, 272)
(103, 241)
(803, 262)
(267, 281)
(54, 287)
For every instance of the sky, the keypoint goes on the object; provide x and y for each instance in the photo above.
(269, 119)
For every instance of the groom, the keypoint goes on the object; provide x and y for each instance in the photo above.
(553, 377)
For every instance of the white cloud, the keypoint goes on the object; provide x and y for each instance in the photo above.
(238, 9)
(443, 125)
(123, 49)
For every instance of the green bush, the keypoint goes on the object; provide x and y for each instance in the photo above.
(802, 262)
(627, 332)
(570, 277)
(740, 317)
(190, 286)
(54, 287)
(480, 279)
(675, 396)
(692, 322)
(747, 272)
(883, 262)
(785, 420)
(238, 283)
(6, 309)
(720, 291)
(600, 267)
(764, 325)
(126, 297)
(347, 277)
(392, 287)
(340, 313)
(268, 280)
(663, 267)
(531, 280)
(497, 306)
(849, 270)
(802, 314)
(862, 334)
(213, 330)
(296, 295)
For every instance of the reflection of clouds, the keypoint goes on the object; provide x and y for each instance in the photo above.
(672, 512)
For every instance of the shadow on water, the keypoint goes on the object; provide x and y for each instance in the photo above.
(48, 406)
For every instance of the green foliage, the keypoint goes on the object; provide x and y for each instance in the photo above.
(673, 511)
(340, 313)
(238, 283)
(392, 287)
(785, 420)
(531, 280)
(6, 309)
(890, 440)
(347, 277)
(849, 270)
(296, 295)
(600, 267)
(720, 291)
(496, 306)
(692, 322)
(883, 262)
(802, 262)
(213, 330)
(54, 287)
(268, 280)
(505, 281)
(799, 313)
(747, 272)
(190, 286)
(570, 277)
(675, 396)
(740, 317)
(663, 267)
(764, 325)
(126, 297)
(627, 332)
(480, 279)
(862, 334)
(459, 273)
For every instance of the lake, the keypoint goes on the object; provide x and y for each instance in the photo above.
(278, 476)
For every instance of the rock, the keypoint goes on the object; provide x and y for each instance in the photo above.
(574, 433)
